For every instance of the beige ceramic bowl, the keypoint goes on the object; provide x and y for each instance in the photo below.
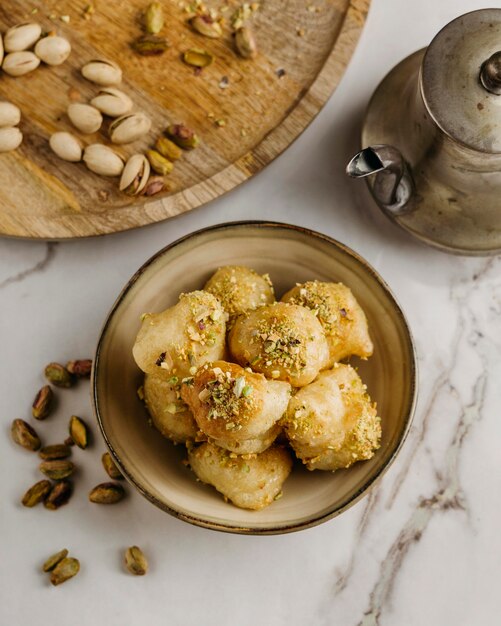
(290, 254)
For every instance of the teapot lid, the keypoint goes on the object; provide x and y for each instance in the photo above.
(461, 80)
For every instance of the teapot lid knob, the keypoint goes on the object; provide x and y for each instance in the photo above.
(490, 73)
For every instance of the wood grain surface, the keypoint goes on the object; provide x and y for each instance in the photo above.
(304, 48)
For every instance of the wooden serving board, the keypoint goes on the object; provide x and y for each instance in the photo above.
(304, 47)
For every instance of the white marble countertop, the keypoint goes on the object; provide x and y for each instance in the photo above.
(423, 548)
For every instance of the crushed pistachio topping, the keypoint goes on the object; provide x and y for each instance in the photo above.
(324, 302)
(282, 345)
(228, 398)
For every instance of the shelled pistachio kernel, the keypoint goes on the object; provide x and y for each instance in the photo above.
(25, 435)
(53, 50)
(103, 160)
(59, 375)
(40, 409)
(81, 368)
(37, 493)
(197, 57)
(22, 36)
(206, 25)
(182, 136)
(107, 493)
(20, 63)
(64, 570)
(110, 467)
(168, 149)
(54, 452)
(150, 45)
(135, 561)
(85, 117)
(135, 175)
(58, 495)
(57, 470)
(153, 18)
(112, 102)
(155, 185)
(10, 114)
(102, 72)
(66, 146)
(54, 559)
(159, 163)
(129, 128)
(245, 43)
(10, 139)
(79, 432)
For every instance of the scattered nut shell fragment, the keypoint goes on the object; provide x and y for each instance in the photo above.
(10, 139)
(135, 175)
(102, 72)
(20, 63)
(22, 37)
(129, 128)
(112, 102)
(85, 117)
(53, 50)
(10, 114)
(103, 160)
(135, 561)
(66, 146)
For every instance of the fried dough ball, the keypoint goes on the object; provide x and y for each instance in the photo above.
(240, 289)
(332, 422)
(282, 341)
(177, 341)
(250, 483)
(238, 409)
(341, 316)
(169, 414)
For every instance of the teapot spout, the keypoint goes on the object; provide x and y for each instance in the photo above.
(393, 185)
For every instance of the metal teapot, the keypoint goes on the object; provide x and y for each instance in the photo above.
(433, 128)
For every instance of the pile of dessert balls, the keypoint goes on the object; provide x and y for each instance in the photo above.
(246, 382)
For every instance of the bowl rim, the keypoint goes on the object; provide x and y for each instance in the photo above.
(272, 529)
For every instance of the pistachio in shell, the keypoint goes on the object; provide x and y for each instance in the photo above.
(22, 36)
(10, 139)
(59, 495)
(135, 175)
(129, 128)
(53, 50)
(53, 560)
(37, 493)
(25, 435)
(102, 72)
(64, 570)
(135, 561)
(20, 63)
(107, 493)
(110, 467)
(58, 375)
(66, 146)
(42, 403)
(102, 160)
(57, 469)
(79, 432)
